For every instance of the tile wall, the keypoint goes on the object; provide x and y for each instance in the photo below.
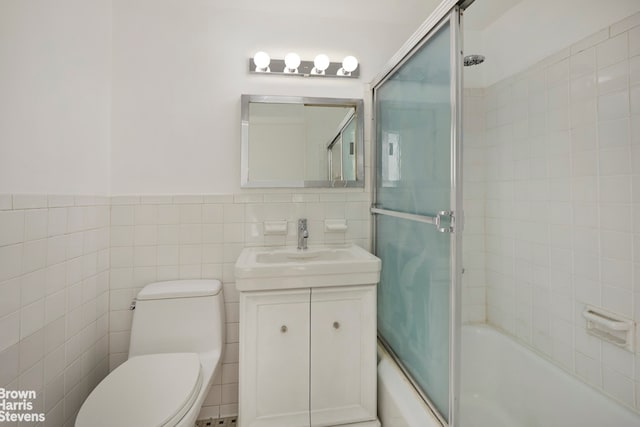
(54, 299)
(562, 203)
(184, 237)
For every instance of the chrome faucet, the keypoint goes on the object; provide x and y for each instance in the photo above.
(303, 233)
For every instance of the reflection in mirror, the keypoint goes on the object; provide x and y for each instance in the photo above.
(341, 156)
(301, 142)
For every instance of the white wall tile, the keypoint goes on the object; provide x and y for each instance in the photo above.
(32, 287)
(11, 227)
(192, 233)
(9, 364)
(634, 41)
(233, 233)
(614, 78)
(9, 296)
(34, 255)
(583, 63)
(615, 161)
(9, 330)
(122, 215)
(617, 300)
(57, 221)
(168, 214)
(214, 213)
(615, 189)
(233, 213)
(588, 369)
(218, 198)
(184, 199)
(618, 386)
(635, 99)
(168, 255)
(191, 214)
(145, 256)
(31, 318)
(612, 50)
(613, 133)
(6, 202)
(145, 214)
(35, 223)
(29, 201)
(614, 105)
(76, 219)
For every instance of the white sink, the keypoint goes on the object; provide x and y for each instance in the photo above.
(268, 268)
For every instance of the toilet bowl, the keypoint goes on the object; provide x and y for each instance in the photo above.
(176, 345)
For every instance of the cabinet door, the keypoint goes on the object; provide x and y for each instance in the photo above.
(274, 359)
(343, 355)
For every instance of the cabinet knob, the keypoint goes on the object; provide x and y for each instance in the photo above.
(336, 325)
(283, 328)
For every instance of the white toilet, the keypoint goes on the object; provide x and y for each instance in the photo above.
(177, 339)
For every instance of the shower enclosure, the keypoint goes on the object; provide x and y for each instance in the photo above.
(417, 200)
(553, 159)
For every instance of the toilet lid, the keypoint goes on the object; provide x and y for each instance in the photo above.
(150, 390)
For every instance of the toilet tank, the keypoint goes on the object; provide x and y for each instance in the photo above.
(178, 316)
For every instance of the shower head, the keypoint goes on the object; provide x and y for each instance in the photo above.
(470, 60)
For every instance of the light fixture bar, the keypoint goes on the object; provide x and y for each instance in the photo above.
(277, 67)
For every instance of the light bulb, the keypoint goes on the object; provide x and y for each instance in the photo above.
(292, 60)
(321, 63)
(262, 61)
(349, 63)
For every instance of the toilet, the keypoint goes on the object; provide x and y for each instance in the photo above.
(177, 340)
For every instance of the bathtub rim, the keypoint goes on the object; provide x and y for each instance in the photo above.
(385, 351)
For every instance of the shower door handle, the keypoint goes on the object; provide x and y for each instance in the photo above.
(438, 223)
(444, 221)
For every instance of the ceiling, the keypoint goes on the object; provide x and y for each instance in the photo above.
(483, 13)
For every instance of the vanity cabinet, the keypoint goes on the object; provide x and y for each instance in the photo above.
(308, 357)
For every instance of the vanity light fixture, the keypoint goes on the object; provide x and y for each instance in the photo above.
(291, 62)
(320, 64)
(349, 64)
(292, 65)
(261, 61)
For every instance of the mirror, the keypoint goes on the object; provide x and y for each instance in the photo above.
(301, 142)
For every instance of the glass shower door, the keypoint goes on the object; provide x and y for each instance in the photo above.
(416, 114)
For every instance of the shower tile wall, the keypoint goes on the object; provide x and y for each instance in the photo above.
(54, 300)
(562, 164)
(184, 237)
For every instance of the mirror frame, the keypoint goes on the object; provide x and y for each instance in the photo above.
(358, 104)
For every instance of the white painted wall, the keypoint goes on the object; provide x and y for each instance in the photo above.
(534, 29)
(55, 82)
(179, 69)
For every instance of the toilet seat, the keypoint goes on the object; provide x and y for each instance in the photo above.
(151, 390)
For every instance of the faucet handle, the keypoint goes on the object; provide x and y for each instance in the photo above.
(302, 223)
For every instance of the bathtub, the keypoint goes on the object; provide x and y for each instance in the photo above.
(503, 385)
(398, 403)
